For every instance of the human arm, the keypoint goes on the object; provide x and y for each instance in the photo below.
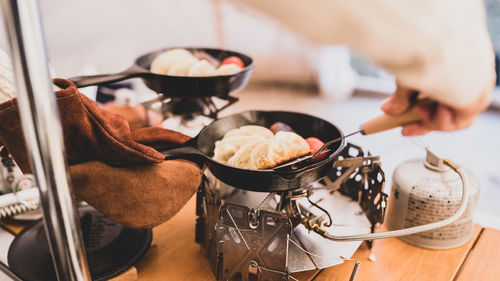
(439, 48)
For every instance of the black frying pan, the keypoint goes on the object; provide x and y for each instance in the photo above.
(202, 146)
(178, 86)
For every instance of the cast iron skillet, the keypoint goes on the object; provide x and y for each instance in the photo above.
(202, 146)
(178, 86)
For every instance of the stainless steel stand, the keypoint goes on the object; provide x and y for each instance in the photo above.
(43, 136)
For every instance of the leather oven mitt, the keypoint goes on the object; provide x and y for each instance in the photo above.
(90, 133)
(144, 194)
(159, 138)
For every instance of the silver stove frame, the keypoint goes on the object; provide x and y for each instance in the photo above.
(251, 243)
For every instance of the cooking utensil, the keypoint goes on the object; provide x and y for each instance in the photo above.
(378, 124)
(178, 86)
(202, 146)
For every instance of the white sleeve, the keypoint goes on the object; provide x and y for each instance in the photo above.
(439, 47)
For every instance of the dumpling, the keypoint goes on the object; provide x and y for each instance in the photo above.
(243, 157)
(250, 130)
(260, 156)
(228, 69)
(227, 147)
(256, 147)
(181, 67)
(164, 61)
(202, 68)
(287, 146)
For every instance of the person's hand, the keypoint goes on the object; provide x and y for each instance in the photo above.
(435, 116)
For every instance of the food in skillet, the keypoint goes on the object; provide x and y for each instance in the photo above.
(257, 148)
(280, 126)
(176, 62)
(315, 144)
(181, 62)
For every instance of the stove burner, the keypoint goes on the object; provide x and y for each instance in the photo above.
(188, 115)
(249, 235)
(190, 108)
(184, 107)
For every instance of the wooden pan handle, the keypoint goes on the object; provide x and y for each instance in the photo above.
(386, 122)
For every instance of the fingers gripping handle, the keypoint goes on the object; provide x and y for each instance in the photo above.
(386, 122)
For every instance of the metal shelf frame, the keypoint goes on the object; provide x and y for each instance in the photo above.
(43, 136)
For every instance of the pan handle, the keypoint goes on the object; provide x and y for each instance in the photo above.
(188, 153)
(179, 152)
(84, 81)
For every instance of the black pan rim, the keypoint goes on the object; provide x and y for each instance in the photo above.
(247, 68)
(270, 171)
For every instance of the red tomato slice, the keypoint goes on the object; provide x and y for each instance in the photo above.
(315, 144)
(233, 60)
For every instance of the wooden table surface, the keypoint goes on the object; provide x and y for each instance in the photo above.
(484, 260)
(397, 260)
(175, 256)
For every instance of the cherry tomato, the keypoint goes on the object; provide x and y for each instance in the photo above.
(315, 144)
(233, 60)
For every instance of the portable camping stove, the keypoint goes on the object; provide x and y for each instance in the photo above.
(268, 236)
(263, 236)
(189, 115)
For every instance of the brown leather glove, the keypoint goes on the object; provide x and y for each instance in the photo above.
(90, 133)
(143, 196)
(159, 138)
(137, 196)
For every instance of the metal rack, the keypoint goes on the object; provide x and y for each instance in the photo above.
(43, 136)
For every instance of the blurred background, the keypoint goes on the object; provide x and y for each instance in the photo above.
(96, 36)
(91, 37)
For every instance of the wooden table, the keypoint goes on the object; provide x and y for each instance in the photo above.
(175, 256)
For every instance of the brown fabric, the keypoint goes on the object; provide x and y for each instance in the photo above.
(137, 196)
(135, 115)
(159, 138)
(143, 196)
(93, 133)
(90, 133)
(11, 134)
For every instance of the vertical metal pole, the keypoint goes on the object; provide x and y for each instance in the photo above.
(43, 134)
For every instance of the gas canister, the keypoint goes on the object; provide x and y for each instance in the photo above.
(425, 191)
